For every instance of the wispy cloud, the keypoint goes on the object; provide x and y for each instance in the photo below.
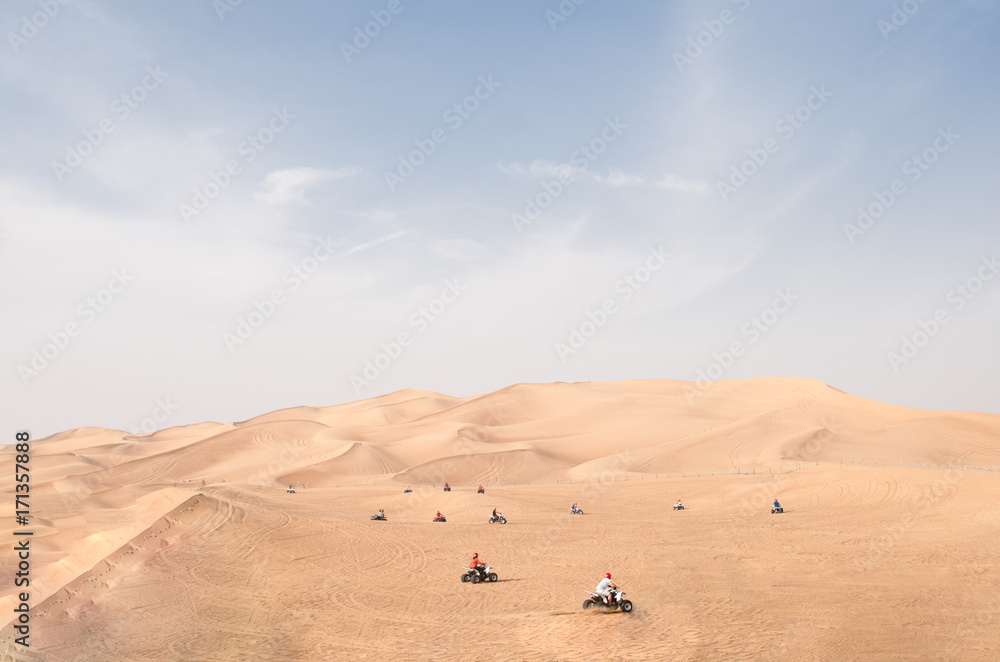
(672, 182)
(376, 242)
(464, 250)
(290, 184)
(614, 177)
(538, 169)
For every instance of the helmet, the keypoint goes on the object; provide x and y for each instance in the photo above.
(607, 575)
(475, 555)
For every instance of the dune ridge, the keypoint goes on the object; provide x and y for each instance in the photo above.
(107, 504)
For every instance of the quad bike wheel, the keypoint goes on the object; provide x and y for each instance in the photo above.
(588, 603)
(465, 578)
(493, 577)
(626, 606)
(476, 578)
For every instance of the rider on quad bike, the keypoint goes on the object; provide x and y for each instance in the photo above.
(477, 565)
(603, 588)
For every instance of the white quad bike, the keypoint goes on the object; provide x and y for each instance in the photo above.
(598, 600)
(483, 573)
(499, 518)
(575, 510)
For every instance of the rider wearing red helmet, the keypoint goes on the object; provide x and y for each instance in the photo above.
(604, 588)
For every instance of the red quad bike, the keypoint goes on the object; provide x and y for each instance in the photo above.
(440, 519)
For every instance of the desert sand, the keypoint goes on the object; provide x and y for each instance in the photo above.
(184, 545)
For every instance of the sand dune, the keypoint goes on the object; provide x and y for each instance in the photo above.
(182, 544)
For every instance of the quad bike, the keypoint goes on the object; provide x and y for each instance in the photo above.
(777, 509)
(447, 488)
(483, 573)
(499, 518)
(676, 507)
(380, 518)
(616, 602)
(407, 491)
(575, 510)
(440, 519)
(480, 491)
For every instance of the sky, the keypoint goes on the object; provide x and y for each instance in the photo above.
(216, 209)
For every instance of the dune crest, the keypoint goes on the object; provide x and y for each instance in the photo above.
(104, 500)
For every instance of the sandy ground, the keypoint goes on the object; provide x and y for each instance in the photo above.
(133, 561)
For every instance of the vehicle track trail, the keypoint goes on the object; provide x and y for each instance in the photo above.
(247, 573)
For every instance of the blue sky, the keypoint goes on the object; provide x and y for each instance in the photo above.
(220, 295)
